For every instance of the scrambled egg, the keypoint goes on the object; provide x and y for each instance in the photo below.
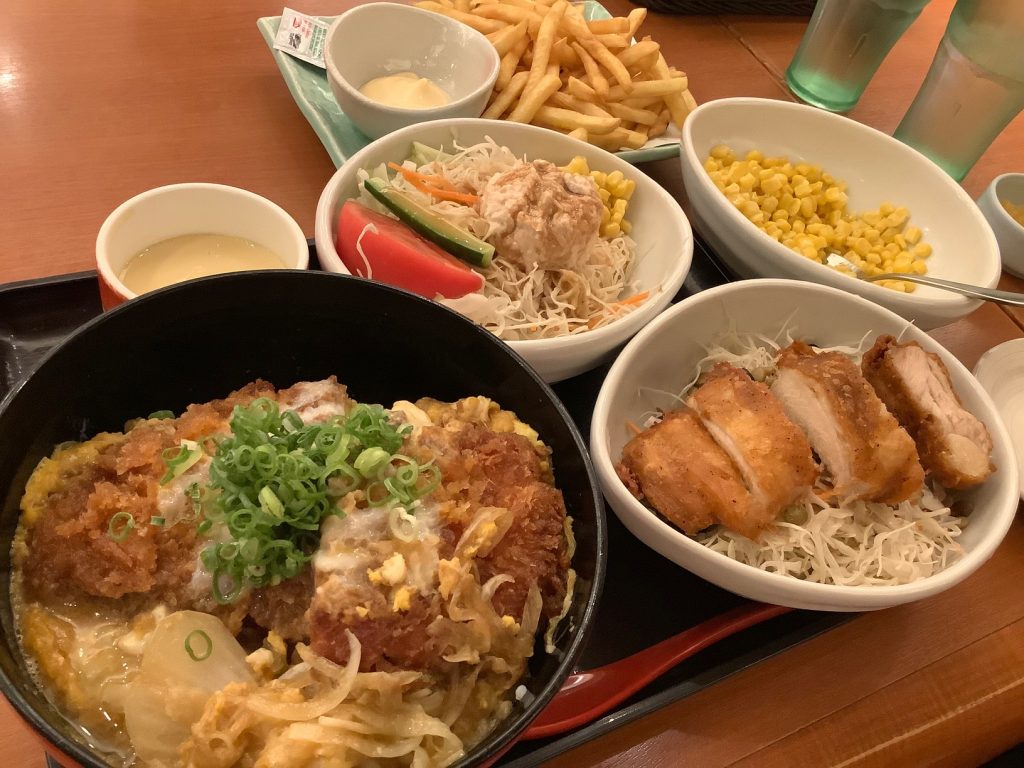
(49, 476)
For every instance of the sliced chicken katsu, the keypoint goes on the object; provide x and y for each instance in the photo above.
(771, 453)
(955, 447)
(685, 475)
(871, 457)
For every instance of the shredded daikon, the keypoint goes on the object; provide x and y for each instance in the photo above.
(517, 303)
(859, 543)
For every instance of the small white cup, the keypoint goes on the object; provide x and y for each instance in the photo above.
(1009, 232)
(385, 38)
(191, 209)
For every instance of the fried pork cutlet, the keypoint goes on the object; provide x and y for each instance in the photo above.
(871, 457)
(679, 468)
(955, 447)
(771, 453)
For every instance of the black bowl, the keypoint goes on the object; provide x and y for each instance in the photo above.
(200, 340)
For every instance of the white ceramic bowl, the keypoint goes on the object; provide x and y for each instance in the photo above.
(191, 209)
(384, 38)
(877, 169)
(1008, 231)
(660, 228)
(1001, 372)
(662, 359)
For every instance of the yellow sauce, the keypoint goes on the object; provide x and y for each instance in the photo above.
(187, 257)
(1016, 211)
(405, 90)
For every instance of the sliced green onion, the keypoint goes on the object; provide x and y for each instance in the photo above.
(371, 460)
(120, 526)
(159, 522)
(179, 460)
(206, 644)
(270, 503)
(161, 415)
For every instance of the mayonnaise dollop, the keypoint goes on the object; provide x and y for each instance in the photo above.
(405, 90)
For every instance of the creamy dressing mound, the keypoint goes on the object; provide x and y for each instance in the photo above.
(187, 257)
(405, 90)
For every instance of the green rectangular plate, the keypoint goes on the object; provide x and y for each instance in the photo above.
(342, 139)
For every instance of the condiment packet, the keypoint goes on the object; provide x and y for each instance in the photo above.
(302, 36)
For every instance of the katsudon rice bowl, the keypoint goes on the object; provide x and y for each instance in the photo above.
(271, 564)
(564, 296)
(911, 524)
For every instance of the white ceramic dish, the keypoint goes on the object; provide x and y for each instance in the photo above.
(877, 169)
(662, 359)
(384, 38)
(191, 209)
(1001, 373)
(660, 228)
(1008, 231)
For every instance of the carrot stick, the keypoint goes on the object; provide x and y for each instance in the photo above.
(424, 183)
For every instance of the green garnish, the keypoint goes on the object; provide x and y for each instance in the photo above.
(161, 415)
(120, 526)
(159, 522)
(200, 636)
(274, 480)
(179, 460)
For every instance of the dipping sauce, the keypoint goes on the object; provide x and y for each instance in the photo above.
(187, 257)
(1016, 211)
(405, 90)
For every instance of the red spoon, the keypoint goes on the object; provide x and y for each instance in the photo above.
(585, 696)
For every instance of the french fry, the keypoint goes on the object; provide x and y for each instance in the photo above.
(504, 39)
(691, 103)
(613, 42)
(619, 138)
(469, 19)
(567, 119)
(545, 42)
(598, 81)
(639, 116)
(648, 88)
(578, 133)
(636, 53)
(565, 55)
(566, 101)
(607, 59)
(510, 14)
(533, 98)
(661, 124)
(462, 5)
(506, 98)
(581, 90)
(674, 101)
(634, 19)
(509, 63)
(609, 26)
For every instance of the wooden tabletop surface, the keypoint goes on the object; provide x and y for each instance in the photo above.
(101, 101)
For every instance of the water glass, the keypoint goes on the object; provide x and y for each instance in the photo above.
(843, 47)
(974, 87)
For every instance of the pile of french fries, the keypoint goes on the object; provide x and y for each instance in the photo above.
(584, 78)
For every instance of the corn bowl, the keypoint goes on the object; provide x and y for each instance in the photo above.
(902, 211)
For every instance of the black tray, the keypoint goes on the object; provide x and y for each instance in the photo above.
(646, 598)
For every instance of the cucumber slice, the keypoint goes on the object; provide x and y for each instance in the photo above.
(458, 242)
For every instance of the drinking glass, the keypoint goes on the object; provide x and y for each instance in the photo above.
(843, 46)
(974, 87)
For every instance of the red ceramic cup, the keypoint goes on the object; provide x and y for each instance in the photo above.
(191, 209)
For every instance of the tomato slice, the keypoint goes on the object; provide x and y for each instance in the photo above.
(392, 253)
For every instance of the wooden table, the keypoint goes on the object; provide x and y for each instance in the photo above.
(101, 101)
